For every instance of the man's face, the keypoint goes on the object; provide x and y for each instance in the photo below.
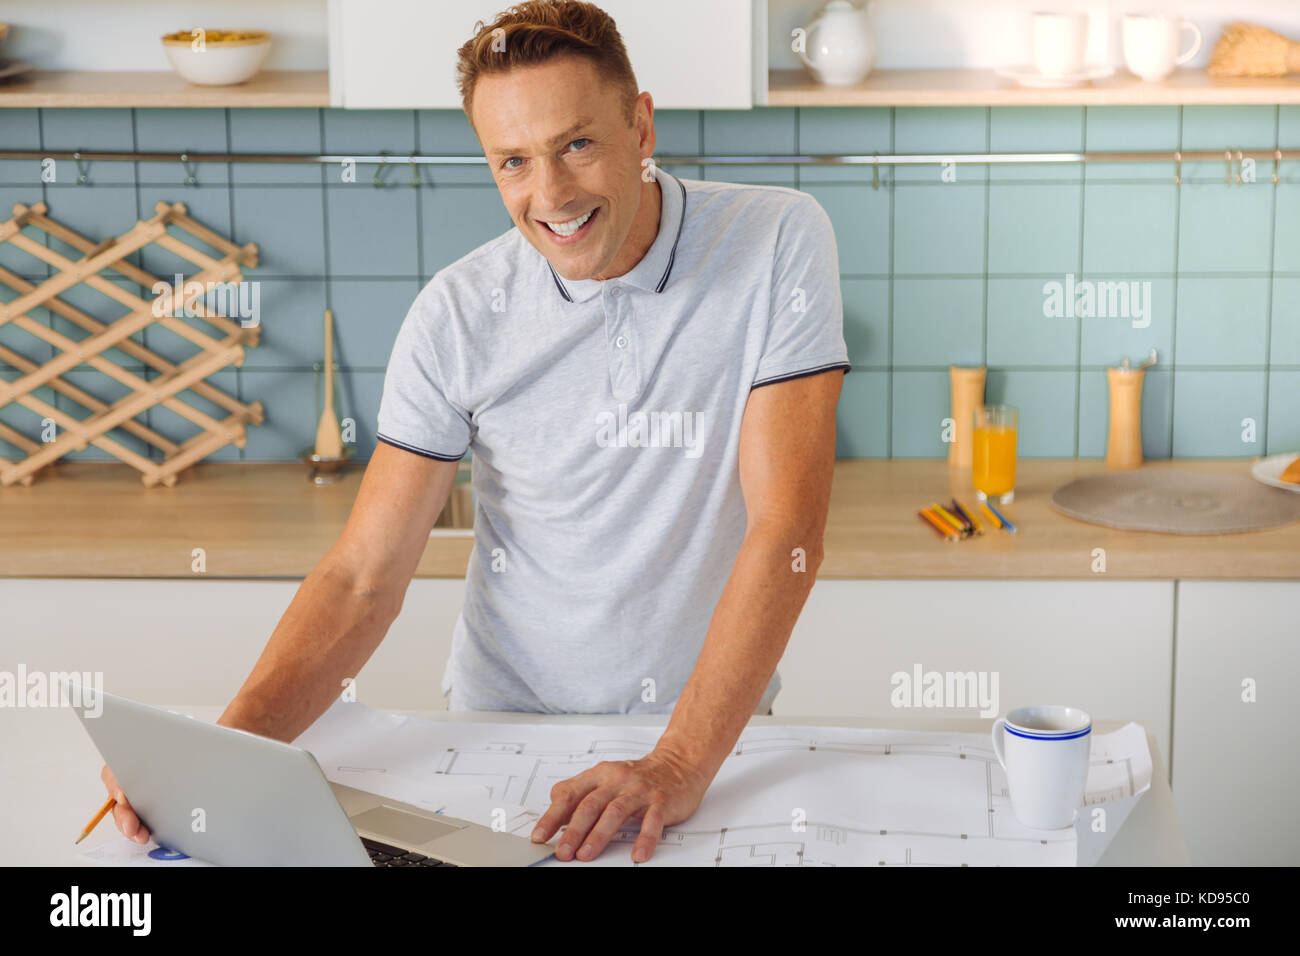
(561, 152)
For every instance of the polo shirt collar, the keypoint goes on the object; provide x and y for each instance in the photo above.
(651, 273)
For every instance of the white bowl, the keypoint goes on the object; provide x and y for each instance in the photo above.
(218, 62)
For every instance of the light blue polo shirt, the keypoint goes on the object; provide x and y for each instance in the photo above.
(604, 418)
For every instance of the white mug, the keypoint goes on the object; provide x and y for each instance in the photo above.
(1151, 44)
(1060, 41)
(1045, 756)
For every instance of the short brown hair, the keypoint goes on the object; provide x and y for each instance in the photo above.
(540, 30)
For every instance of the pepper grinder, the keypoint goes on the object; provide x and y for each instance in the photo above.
(1124, 443)
(967, 386)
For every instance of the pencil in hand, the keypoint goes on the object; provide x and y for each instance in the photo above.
(109, 804)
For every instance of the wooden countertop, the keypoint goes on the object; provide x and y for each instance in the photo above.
(90, 519)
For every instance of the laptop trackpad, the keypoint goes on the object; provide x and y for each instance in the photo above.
(408, 828)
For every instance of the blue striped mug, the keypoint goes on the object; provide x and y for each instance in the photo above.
(1045, 751)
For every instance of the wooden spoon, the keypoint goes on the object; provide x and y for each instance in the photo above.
(329, 440)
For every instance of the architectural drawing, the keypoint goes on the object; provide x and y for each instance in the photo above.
(786, 796)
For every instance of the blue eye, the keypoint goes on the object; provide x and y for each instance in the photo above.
(580, 141)
(507, 165)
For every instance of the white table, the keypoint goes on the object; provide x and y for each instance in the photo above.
(50, 787)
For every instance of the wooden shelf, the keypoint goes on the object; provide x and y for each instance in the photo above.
(162, 88)
(986, 88)
(310, 88)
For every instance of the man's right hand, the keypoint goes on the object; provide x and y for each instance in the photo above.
(123, 815)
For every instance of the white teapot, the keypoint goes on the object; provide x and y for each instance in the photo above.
(840, 50)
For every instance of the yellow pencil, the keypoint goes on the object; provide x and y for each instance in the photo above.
(952, 524)
(958, 525)
(937, 523)
(109, 804)
(993, 519)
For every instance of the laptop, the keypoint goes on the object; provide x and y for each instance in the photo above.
(238, 799)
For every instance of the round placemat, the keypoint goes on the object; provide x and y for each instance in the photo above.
(1176, 503)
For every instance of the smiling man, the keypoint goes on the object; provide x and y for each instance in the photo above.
(646, 369)
(638, 574)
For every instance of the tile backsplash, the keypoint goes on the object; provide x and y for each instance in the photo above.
(935, 269)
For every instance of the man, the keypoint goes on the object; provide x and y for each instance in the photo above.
(647, 370)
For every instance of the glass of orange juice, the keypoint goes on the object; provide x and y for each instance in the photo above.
(993, 465)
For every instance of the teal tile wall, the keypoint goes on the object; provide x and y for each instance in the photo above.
(933, 273)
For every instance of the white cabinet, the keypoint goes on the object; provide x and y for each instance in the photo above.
(1104, 646)
(194, 642)
(402, 53)
(1236, 771)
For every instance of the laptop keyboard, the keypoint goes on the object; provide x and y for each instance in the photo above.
(381, 854)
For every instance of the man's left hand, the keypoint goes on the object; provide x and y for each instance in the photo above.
(660, 789)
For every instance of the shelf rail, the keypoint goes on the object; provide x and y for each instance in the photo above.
(385, 161)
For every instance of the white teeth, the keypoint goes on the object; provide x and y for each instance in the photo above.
(570, 227)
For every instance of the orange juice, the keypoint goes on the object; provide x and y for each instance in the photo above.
(994, 460)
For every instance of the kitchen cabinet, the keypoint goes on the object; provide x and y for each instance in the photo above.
(690, 55)
(1118, 648)
(1104, 646)
(1235, 771)
(195, 641)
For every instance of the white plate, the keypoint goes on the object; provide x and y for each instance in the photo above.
(1268, 470)
(1028, 76)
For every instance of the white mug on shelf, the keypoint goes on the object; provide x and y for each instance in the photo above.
(1151, 44)
(1045, 751)
(1060, 41)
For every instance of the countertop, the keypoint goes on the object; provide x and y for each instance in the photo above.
(90, 519)
(59, 767)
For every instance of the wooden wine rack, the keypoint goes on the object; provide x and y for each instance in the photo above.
(214, 352)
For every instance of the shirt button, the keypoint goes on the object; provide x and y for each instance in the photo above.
(616, 291)
(621, 342)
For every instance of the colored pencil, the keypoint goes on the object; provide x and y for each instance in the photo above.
(955, 510)
(1003, 518)
(933, 512)
(934, 523)
(993, 519)
(949, 517)
(969, 515)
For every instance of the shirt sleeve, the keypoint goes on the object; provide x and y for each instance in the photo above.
(416, 412)
(805, 333)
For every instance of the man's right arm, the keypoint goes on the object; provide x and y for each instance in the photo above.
(343, 608)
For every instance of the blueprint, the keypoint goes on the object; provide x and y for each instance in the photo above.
(786, 795)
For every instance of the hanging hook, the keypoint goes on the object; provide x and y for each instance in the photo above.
(1178, 167)
(1239, 159)
(83, 168)
(190, 179)
(1277, 166)
(415, 171)
(378, 180)
(875, 171)
(1227, 156)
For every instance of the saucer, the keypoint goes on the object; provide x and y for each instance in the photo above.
(1029, 76)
